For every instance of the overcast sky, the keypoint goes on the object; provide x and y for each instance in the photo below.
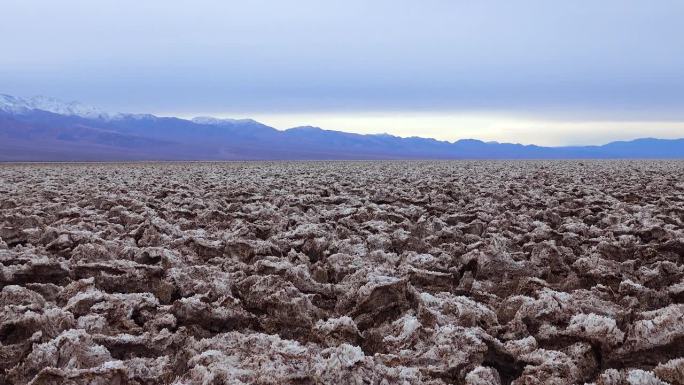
(548, 72)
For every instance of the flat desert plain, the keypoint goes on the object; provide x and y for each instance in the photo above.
(406, 272)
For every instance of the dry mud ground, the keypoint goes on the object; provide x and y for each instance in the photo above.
(342, 273)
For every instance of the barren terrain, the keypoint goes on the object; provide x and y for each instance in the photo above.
(530, 272)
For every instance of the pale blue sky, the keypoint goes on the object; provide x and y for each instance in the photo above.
(550, 72)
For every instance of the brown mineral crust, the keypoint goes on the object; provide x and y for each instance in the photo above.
(407, 272)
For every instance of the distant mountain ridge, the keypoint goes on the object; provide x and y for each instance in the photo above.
(46, 129)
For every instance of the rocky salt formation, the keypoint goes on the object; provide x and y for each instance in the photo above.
(478, 273)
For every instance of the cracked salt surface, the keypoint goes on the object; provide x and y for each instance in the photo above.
(533, 272)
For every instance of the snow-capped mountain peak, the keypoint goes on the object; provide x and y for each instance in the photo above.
(208, 120)
(18, 105)
(13, 104)
(21, 106)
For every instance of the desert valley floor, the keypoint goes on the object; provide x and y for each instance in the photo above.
(454, 272)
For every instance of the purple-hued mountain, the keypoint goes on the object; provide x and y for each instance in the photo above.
(46, 129)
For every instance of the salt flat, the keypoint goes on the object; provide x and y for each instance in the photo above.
(411, 272)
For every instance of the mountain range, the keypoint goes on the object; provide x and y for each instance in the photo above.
(47, 129)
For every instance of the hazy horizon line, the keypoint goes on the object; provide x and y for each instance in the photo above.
(444, 125)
